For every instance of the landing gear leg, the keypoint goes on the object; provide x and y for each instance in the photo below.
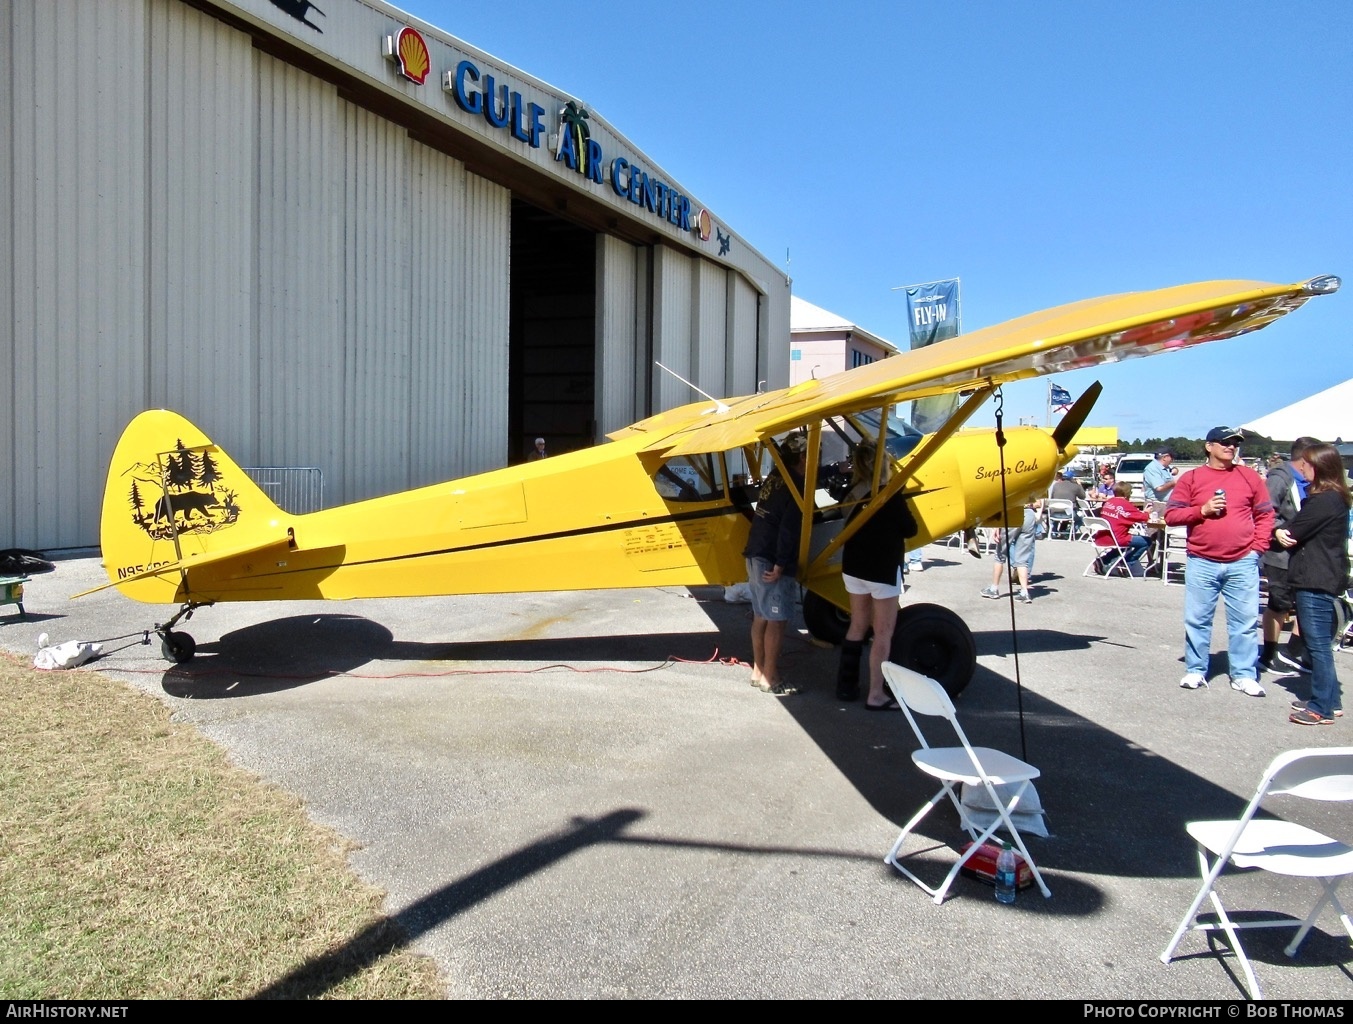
(177, 647)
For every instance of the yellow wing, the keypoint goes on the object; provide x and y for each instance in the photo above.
(1069, 337)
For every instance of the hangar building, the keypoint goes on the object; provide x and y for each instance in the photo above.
(335, 238)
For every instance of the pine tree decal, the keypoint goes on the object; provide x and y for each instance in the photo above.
(181, 471)
(208, 474)
(137, 504)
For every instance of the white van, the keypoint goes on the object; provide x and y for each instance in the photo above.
(1130, 469)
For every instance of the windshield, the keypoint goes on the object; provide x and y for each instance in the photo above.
(1137, 465)
(902, 436)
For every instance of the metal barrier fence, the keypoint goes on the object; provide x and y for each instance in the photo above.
(294, 489)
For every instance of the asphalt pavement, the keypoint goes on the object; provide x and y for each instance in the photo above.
(578, 795)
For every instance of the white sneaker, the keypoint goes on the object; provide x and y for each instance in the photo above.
(1194, 680)
(1249, 687)
(990, 592)
(1024, 596)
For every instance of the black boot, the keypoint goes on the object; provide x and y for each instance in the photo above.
(848, 671)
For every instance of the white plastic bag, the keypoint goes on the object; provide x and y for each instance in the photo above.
(1027, 815)
(67, 655)
(738, 593)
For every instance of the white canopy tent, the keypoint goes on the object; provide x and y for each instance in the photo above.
(1327, 415)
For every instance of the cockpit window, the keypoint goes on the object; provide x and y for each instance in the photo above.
(902, 437)
(690, 478)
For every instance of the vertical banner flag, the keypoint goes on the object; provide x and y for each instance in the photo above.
(932, 315)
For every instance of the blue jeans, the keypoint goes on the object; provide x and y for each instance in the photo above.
(1136, 547)
(1315, 615)
(1236, 583)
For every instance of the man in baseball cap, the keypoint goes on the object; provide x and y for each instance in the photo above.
(1225, 435)
(1229, 517)
(1158, 479)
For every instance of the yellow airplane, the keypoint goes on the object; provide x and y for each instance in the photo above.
(668, 500)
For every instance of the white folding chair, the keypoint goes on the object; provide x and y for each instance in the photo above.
(1109, 557)
(976, 766)
(1174, 554)
(1061, 518)
(1282, 847)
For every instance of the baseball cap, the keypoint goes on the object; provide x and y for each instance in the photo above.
(540, 440)
(1165, 451)
(1225, 434)
(794, 444)
(1069, 473)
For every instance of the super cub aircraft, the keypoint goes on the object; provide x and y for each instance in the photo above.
(668, 500)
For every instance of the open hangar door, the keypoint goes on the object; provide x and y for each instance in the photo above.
(552, 332)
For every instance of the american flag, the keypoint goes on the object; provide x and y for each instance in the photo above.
(1059, 397)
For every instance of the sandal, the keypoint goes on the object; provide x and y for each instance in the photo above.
(890, 705)
(781, 690)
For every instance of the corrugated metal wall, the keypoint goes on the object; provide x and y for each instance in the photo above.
(673, 330)
(298, 312)
(705, 318)
(622, 345)
(73, 328)
(212, 231)
(744, 305)
(200, 247)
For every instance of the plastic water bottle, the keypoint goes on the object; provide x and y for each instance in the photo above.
(1005, 874)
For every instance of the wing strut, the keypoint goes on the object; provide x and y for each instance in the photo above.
(918, 457)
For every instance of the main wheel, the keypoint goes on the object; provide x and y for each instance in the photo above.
(824, 620)
(177, 647)
(934, 641)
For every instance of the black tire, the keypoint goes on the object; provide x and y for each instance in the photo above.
(1342, 620)
(934, 641)
(177, 647)
(824, 620)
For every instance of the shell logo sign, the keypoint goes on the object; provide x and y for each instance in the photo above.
(411, 55)
(704, 225)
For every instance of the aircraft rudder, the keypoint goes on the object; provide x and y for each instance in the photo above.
(172, 492)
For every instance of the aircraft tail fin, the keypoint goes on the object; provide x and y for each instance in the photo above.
(174, 497)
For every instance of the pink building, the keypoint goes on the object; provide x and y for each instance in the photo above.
(822, 343)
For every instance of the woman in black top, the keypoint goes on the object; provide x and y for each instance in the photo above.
(871, 570)
(1317, 572)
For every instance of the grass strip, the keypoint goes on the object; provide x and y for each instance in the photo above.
(137, 862)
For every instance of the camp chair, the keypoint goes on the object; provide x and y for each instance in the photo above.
(1282, 847)
(976, 766)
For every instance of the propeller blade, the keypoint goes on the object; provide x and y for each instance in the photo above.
(1076, 416)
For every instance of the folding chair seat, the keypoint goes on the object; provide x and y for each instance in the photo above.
(1282, 847)
(1110, 557)
(1004, 778)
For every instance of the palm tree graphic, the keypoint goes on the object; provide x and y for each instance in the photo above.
(574, 119)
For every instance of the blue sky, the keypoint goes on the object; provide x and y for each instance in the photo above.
(1041, 152)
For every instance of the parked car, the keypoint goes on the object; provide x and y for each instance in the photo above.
(1130, 469)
